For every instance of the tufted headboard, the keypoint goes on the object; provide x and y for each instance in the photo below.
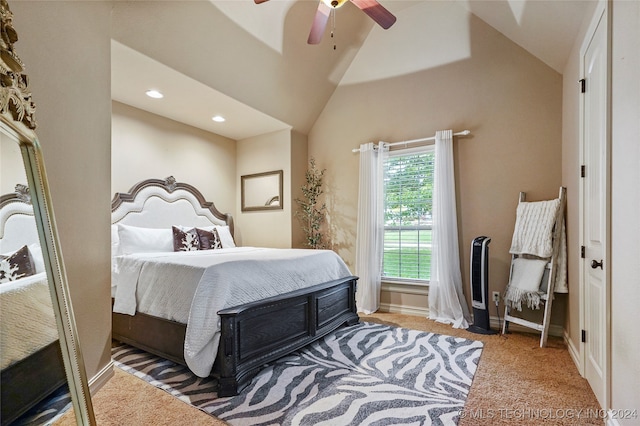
(162, 203)
(17, 222)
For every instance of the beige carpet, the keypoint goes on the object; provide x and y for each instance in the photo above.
(516, 383)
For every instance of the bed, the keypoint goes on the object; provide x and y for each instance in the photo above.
(31, 359)
(222, 310)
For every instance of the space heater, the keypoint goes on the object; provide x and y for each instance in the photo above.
(480, 286)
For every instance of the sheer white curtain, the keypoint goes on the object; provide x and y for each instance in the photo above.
(446, 300)
(370, 229)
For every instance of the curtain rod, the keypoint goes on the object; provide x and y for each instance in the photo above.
(462, 133)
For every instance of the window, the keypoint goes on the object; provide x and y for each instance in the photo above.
(408, 188)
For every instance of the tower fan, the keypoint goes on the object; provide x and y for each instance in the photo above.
(480, 286)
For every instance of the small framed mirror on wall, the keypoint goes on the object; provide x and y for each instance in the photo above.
(39, 347)
(262, 191)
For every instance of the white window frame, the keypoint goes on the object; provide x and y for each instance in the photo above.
(427, 148)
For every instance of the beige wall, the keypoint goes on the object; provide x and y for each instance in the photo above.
(299, 165)
(509, 100)
(146, 145)
(66, 49)
(265, 153)
(625, 205)
(11, 165)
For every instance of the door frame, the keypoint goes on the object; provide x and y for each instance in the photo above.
(602, 14)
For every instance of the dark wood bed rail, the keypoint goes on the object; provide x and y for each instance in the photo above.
(29, 381)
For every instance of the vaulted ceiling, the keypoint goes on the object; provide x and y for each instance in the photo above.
(251, 63)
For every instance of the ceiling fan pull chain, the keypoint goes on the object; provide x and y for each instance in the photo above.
(333, 26)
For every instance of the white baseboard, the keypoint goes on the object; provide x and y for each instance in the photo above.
(574, 353)
(101, 378)
(423, 311)
(611, 421)
(554, 329)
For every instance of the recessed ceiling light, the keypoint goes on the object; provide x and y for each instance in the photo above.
(154, 94)
(218, 118)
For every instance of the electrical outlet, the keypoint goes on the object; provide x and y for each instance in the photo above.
(496, 296)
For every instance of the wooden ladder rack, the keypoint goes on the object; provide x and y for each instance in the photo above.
(552, 267)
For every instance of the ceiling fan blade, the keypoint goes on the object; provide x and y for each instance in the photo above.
(259, 1)
(319, 23)
(376, 11)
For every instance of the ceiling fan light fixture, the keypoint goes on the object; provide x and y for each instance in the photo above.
(327, 8)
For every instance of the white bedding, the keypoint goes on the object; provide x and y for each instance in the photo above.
(191, 287)
(28, 323)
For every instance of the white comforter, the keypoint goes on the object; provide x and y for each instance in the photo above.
(27, 322)
(191, 287)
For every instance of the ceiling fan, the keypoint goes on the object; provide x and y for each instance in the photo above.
(375, 10)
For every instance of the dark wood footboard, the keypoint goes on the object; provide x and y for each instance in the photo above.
(260, 332)
(251, 334)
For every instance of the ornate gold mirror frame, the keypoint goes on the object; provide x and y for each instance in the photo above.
(18, 123)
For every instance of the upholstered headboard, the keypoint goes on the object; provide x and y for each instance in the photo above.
(17, 222)
(162, 203)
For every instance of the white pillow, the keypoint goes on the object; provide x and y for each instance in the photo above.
(36, 255)
(115, 241)
(144, 240)
(225, 236)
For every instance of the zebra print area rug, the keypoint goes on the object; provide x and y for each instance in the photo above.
(367, 374)
(48, 411)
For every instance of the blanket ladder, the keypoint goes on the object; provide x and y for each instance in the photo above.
(550, 274)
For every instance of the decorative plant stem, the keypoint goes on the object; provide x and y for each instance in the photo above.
(310, 213)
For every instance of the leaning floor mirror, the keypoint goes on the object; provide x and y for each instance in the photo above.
(39, 348)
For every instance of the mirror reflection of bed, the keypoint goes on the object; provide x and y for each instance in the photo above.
(30, 358)
(183, 290)
(39, 347)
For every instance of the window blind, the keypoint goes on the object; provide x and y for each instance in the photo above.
(408, 189)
